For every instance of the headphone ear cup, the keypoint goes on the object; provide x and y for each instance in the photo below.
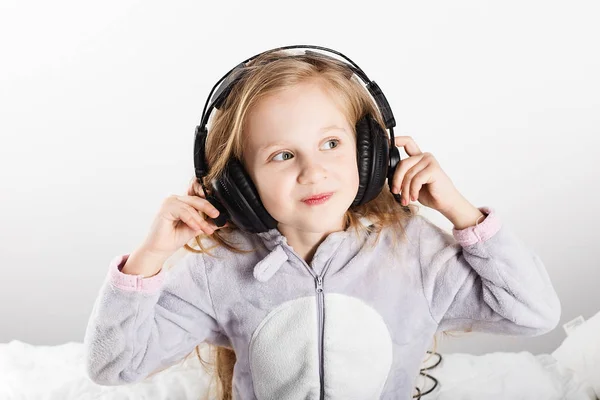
(372, 150)
(249, 193)
(394, 161)
(363, 158)
(237, 193)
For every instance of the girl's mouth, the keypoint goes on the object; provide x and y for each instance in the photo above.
(318, 199)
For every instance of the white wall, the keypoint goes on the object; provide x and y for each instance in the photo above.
(99, 101)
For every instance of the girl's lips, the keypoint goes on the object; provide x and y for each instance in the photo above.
(320, 199)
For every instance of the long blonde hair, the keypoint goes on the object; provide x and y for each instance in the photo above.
(268, 74)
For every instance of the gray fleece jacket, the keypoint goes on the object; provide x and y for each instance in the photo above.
(355, 324)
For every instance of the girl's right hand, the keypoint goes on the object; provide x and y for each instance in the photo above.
(180, 219)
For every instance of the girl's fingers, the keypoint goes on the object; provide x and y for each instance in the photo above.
(410, 146)
(191, 217)
(417, 182)
(401, 170)
(199, 204)
(408, 178)
(407, 168)
(188, 218)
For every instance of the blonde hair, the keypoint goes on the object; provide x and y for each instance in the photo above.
(266, 75)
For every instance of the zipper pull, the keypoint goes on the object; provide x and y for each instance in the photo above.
(319, 283)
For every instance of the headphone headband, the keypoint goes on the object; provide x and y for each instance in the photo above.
(225, 84)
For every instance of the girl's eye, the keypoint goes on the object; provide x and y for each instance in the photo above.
(278, 154)
(334, 140)
(287, 152)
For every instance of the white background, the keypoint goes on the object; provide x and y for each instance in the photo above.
(99, 101)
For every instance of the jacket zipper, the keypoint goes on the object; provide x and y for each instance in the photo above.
(321, 311)
(321, 316)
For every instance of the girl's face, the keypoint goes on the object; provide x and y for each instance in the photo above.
(299, 144)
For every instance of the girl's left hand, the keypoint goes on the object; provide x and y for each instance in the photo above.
(420, 177)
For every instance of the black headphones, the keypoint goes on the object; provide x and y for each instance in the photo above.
(234, 193)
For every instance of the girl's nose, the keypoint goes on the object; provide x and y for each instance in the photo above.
(311, 171)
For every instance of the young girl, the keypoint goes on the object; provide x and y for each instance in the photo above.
(340, 297)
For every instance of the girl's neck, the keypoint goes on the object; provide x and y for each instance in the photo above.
(305, 244)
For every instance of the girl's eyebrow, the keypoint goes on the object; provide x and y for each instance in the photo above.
(282, 144)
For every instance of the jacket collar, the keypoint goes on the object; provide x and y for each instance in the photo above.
(281, 251)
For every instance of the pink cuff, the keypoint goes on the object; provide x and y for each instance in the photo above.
(481, 231)
(133, 283)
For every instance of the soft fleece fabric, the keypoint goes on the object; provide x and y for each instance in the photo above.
(381, 309)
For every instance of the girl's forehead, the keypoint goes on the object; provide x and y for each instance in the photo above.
(305, 111)
(298, 105)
